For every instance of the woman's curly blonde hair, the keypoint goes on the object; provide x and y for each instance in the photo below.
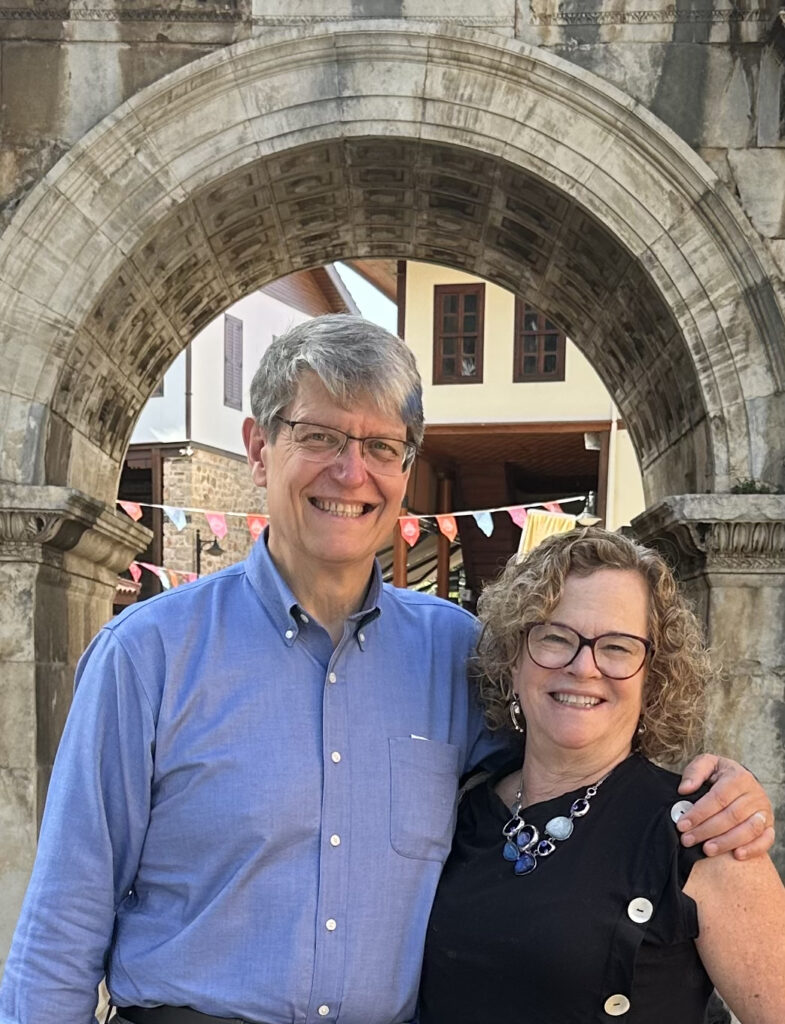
(528, 591)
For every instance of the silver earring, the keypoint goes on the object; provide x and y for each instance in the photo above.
(516, 715)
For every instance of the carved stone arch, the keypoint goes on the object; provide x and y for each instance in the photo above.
(381, 140)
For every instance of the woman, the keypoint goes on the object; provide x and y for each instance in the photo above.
(568, 896)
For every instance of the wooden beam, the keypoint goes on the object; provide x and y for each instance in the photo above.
(444, 503)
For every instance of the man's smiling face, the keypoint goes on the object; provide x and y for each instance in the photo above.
(332, 514)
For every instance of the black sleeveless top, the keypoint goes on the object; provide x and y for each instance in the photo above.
(600, 929)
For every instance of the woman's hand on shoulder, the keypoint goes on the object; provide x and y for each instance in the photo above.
(735, 815)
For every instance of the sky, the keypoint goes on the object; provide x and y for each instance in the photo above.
(372, 304)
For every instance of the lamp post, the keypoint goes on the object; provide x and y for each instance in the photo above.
(204, 545)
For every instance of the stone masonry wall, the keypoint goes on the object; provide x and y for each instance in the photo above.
(218, 483)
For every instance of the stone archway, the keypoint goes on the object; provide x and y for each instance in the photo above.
(361, 140)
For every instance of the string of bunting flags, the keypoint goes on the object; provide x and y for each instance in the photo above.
(409, 526)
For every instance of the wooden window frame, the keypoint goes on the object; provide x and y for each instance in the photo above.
(518, 375)
(461, 290)
(233, 362)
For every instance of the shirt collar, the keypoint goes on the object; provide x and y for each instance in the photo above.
(281, 604)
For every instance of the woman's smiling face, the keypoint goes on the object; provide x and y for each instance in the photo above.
(577, 708)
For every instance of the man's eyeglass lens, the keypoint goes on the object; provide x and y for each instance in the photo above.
(616, 655)
(385, 455)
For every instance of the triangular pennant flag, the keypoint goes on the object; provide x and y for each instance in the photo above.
(132, 509)
(158, 571)
(485, 522)
(448, 526)
(217, 523)
(189, 577)
(174, 579)
(553, 506)
(410, 529)
(518, 515)
(256, 525)
(136, 571)
(177, 515)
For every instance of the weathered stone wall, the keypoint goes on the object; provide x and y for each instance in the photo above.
(215, 482)
(712, 71)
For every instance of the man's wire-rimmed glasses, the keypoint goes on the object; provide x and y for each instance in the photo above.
(616, 655)
(386, 455)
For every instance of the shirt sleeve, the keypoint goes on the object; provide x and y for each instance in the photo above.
(96, 816)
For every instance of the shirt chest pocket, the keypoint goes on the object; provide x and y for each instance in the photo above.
(423, 797)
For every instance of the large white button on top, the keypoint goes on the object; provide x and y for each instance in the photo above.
(616, 1006)
(323, 1010)
(640, 910)
(330, 925)
(304, 618)
(335, 840)
(335, 757)
(680, 809)
(332, 678)
(361, 637)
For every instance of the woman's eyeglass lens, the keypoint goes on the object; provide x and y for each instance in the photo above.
(616, 655)
(385, 455)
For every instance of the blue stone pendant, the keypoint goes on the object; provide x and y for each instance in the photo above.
(525, 863)
(511, 851)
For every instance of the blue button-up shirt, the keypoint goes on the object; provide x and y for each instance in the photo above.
(244, 819)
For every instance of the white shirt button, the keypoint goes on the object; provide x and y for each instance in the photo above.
(616, 1006)
(640, 910)
(335, 840)
(332, 678)
(335, 757)
(304, 618)
(361, 637)
(330, 925)
(680, 809)
(323, 1010)
(289, 634)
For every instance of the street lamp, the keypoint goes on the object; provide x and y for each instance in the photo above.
(209, 549)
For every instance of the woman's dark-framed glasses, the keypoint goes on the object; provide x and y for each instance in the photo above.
(317, 443)
(616, 655)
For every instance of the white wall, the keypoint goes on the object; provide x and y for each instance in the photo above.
(163, 419)
(212, 422)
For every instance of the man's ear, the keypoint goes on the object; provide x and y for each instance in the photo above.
(255, 440)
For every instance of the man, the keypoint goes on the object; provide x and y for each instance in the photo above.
(255, 789)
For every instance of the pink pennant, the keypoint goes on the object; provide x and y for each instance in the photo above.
(410, 529)
(174, 577)
(136, 571)
(132, 509)
(552, 506)
(448, 526)
(217, 523)
(256, 525)
(189, 577)
(519, 515)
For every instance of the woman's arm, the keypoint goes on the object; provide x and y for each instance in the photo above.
(741, 914)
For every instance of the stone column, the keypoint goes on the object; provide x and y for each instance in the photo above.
(729, 552)
(60, 552)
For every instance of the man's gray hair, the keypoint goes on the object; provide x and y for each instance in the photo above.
(354, 359)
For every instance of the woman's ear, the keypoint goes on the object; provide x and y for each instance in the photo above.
(255, 440)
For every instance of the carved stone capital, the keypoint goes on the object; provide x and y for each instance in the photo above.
(57, 523)
(727, 533)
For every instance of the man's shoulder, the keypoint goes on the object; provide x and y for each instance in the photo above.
(175, 605)
(428, 605)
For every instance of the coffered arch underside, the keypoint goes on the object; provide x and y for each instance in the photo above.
(215, 196)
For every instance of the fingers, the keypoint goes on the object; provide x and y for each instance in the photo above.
(757, 847)
(701, 769)
(730, 829)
